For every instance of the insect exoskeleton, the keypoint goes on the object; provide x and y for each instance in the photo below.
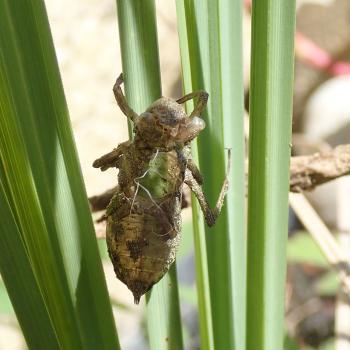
(144, 214)
(143, 230)
(165, 125)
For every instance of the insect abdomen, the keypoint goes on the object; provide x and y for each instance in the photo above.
(141, 244)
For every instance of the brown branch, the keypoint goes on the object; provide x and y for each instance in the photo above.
(307, 172)
(100, 202)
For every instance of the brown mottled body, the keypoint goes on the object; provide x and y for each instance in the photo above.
(143, 234)
(140, 248)
(144, 215)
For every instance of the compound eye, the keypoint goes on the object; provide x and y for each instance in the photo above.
(190, 129)
(198, 123)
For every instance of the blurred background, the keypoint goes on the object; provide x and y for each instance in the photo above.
(87, 47)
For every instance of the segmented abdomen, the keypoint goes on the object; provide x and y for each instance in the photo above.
(142, 242)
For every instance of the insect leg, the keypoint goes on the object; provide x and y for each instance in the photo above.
(121, 100)
(192, 167)
(110, 159)
(201, 103)
(210, 214)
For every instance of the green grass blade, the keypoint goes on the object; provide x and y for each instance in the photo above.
(213, 31)
(31, 222)
(21, 284)
(41, 166)
(230, 27)
(201, 260)
(139, 48)
(270, 131)
(163, 314)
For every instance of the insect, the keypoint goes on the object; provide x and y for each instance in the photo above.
(144, 214)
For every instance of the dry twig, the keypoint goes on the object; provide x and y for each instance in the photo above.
(322, 236)
(101, 201)
(307, 172)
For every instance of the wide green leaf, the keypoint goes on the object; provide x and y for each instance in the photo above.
(140, 59)
(271, 91)
(21, 284)
(43, 182)
(211, 52)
